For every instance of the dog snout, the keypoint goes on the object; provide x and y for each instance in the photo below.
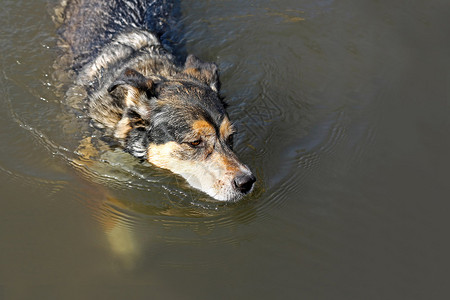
(244, 182)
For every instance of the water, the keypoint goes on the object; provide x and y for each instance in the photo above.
(343, 114)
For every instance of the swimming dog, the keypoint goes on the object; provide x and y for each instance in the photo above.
(168, 114)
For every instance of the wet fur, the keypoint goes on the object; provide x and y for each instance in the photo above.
(168, 114)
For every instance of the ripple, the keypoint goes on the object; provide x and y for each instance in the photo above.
(128, 198)
(51, 186)
(302, 157)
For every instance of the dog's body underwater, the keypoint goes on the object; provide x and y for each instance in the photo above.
(170, 115)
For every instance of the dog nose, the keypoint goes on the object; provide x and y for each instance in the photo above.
(244, 182)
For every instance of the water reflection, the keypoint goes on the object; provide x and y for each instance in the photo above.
(135, 229)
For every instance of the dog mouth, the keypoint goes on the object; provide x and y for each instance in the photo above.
(229, 189)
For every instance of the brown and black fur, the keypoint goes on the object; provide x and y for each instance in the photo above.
(168, 114)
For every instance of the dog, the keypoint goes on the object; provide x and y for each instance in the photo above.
(158, 110)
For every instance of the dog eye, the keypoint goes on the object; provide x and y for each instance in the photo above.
(195, 143)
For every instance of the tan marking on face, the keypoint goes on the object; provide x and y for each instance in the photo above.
(229, 164)
(226, 128)
(203, 128)
(162, 155)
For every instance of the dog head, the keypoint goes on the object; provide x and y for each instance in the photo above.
(180, 124)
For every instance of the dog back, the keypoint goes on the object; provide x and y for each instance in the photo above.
(87, 26)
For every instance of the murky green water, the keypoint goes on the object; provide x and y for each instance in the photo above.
(343, 113)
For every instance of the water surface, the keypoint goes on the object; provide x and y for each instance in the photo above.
(343, 114)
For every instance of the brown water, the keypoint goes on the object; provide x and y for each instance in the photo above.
(343, 113)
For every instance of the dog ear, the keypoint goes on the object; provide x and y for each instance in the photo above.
(132, 132)
(134, 86)
(133, 90)
(205, 72)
